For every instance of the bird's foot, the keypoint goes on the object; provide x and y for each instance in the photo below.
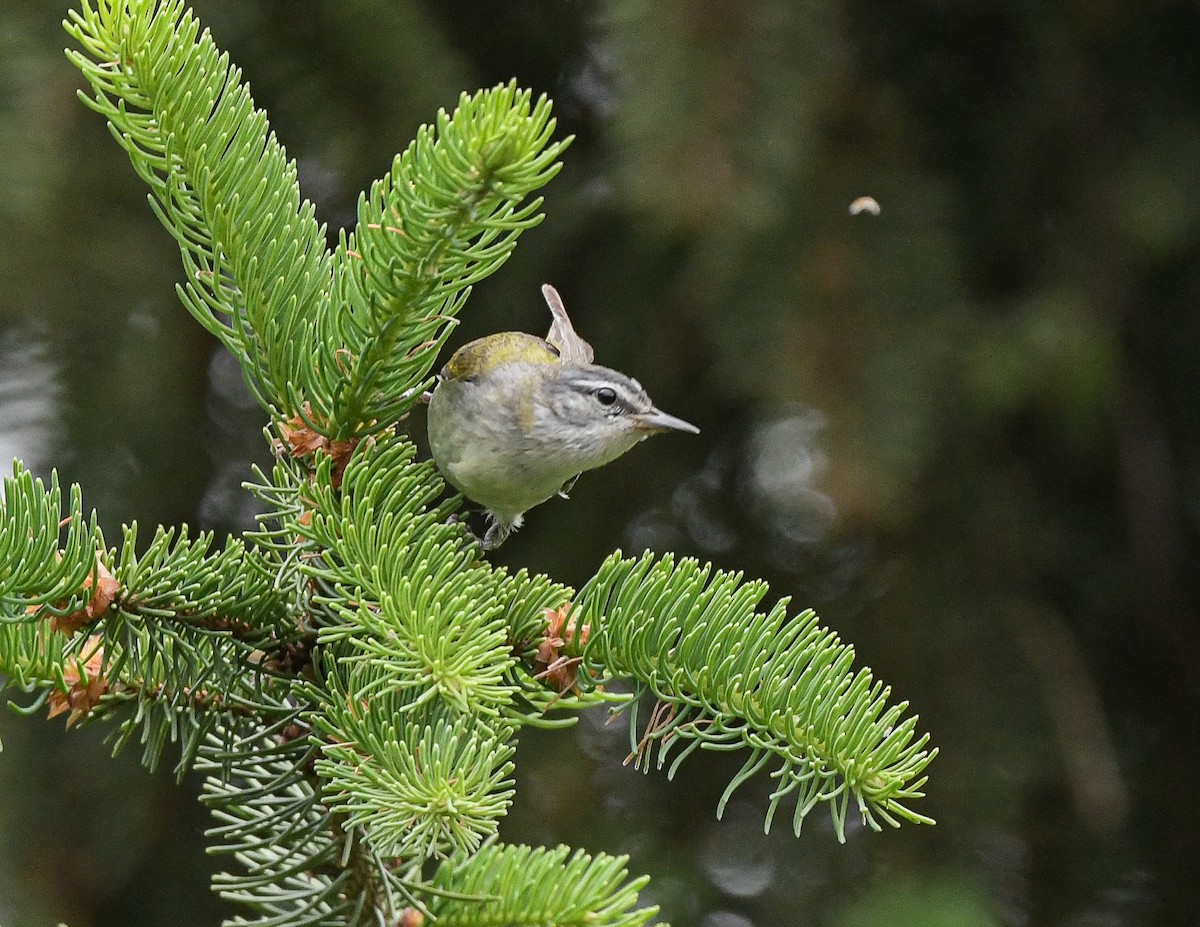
(498, 530)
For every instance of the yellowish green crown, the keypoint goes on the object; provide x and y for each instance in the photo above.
(482, 356)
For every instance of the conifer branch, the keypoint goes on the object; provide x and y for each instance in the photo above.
(726, 676)
(33, 657)
(528, 886)
(420, 781)
(402, 590)
(257, 269)
(37, 569)
(446, 216)
(340, 343)
(167, 640)
(270, 822)
(231, 590)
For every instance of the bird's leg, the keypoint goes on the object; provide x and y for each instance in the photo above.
(494, 536)
(498, 530)
(569, 485)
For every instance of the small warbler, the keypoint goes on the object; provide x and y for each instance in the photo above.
(514, 419)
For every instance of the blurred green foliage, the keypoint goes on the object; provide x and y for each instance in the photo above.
(989, 394)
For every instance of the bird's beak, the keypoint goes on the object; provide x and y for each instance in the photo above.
(655, 422)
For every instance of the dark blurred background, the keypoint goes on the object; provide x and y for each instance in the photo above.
(965, 430)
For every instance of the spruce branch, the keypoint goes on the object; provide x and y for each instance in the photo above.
(180, 682)
(523, 885)
(450, 650)
(402, 590)
(53, 580)
(230, 590)
(341, 343)
(166, 641)
(32, 657)
(727, 676)
(269, 820)
(37, 570)
(446, 216)
(183, 638)
(421, 781)
(257, 269)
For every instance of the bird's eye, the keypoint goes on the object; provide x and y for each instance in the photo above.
(606, 396)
